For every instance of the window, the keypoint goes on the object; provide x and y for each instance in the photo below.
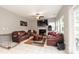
(60, 25)
(52, 25)
(76, 23)
(76, 26)
(57, 26)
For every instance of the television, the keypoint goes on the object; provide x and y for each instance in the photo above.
(42, 22)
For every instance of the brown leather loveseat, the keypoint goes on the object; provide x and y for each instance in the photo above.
(54, 38)
(18, 36)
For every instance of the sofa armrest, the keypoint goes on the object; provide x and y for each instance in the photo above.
(30, 38)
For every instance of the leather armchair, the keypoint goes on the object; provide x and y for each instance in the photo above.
(38, 38)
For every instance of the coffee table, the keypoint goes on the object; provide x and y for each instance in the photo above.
(28, 41)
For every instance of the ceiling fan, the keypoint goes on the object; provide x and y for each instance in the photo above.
(39, 17)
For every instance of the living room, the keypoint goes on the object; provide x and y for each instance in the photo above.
(47, 26)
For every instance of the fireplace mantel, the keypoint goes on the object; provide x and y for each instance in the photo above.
(45, 28)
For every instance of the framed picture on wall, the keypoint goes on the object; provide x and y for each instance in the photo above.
(23, 23)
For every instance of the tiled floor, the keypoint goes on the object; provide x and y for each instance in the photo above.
(26, 49)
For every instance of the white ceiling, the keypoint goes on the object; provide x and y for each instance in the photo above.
(29, 10)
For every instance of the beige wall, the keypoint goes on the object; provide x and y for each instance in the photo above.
(68, 27)
(11, 22)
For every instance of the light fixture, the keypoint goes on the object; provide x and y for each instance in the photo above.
(37, 14)
(39, 17)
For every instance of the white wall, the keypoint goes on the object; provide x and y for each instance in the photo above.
(33, 23)
(68, 28)
(11, 22)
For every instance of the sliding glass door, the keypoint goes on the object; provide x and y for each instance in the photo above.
(76, 27)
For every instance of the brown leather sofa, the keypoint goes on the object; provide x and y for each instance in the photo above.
(18, 36)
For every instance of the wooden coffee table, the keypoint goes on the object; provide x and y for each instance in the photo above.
(29, 42)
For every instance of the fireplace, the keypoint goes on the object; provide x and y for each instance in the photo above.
(42, 31)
